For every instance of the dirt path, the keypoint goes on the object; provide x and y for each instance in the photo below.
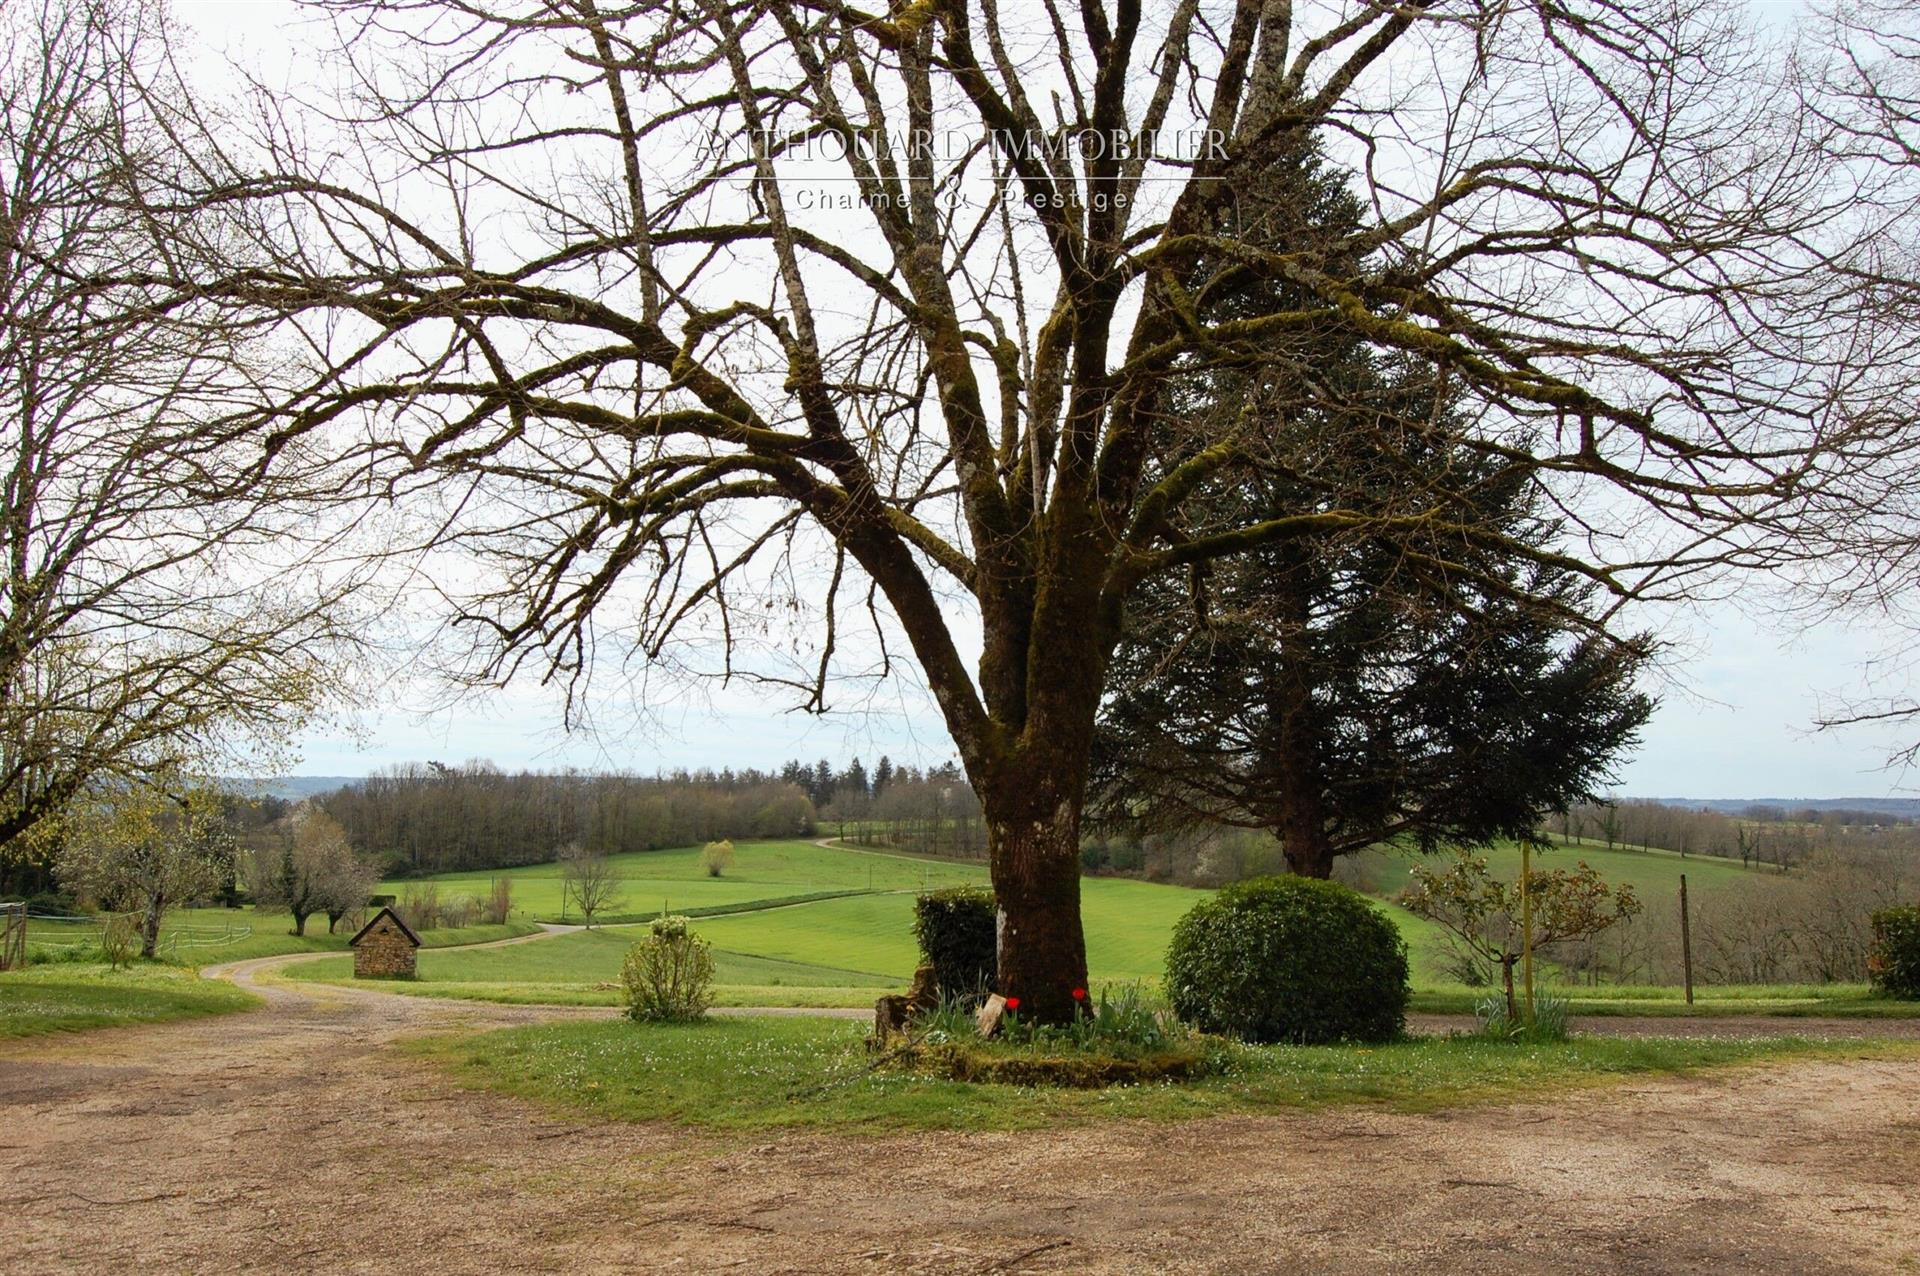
(291, 1139)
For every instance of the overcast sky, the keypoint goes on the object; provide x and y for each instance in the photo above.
(1736, 710)
(1738, 695)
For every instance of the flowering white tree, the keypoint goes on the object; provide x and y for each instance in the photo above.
(142, 851)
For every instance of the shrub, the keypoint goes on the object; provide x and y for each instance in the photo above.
(459, 911)
(420, 905)
(956, 930)
(117, 938)
(1289, 959)
(499, 900)
(668, 976)
(716, 857)
(1894, 962)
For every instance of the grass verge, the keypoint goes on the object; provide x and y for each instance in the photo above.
(71, 997)
(1824, 1001)
(761, 1073)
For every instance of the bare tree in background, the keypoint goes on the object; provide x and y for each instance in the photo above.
(745, 339)
(588, 879)
(315, 870)
(152, 619)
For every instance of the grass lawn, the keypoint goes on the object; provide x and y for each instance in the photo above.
(844, 951)
(757, 1073)
(70, 996)
(674, 879)
(1127, 925)
(1839, 1001)
(583, 968)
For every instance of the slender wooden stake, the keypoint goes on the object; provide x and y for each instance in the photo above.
(1526, 926)
(1686, 939)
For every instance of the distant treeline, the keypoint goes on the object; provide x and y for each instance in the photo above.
(932, 811)
(1768, 835)
(434, 818)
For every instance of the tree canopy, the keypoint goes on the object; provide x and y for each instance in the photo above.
(158, 613)
(760, 340)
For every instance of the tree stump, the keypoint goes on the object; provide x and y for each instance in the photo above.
(923, 994)
(889, 1020)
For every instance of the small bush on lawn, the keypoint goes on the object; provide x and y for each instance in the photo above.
(716, 857)
(117, 939)
(956, 930)
(1493, 1022)
(1893, 963)
(1289, 959)
(668, 976)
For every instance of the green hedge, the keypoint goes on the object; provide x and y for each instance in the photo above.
(957, 934)
(1894, 962)
(1289, 959)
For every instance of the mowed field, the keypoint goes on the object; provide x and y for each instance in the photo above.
(781, 948)
(675, 881)
(833, 952)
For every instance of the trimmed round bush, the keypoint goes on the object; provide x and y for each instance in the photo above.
(1289, 959)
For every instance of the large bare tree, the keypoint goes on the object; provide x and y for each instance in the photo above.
(1863, 559)
(749, 337)
(153, 619)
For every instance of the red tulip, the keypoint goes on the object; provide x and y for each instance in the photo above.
(1079, 994)
(1013, 1003)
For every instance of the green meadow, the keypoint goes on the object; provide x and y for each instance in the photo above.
(71, 996)
(674, 880)
(777, 943)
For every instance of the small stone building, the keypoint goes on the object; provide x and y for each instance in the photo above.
(384, 948)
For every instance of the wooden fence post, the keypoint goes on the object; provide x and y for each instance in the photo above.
(13, 936)
(1686, 939)
(1526, 926)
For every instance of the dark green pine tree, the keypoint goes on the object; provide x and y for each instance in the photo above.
(1445, 682)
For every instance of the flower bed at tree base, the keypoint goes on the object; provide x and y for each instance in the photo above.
(1072, 1069)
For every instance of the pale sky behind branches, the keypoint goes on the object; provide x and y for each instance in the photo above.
(1739, 691)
